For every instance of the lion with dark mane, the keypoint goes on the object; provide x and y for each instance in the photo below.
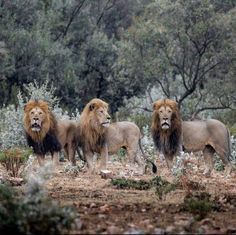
(97, 135)
(172, 135)
(47, 135)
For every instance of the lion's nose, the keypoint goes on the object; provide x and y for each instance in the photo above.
(109, 117)
(36, 119)
(165, 118)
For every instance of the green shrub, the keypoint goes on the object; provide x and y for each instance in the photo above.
(13, 159)
(122, 183)
(33, 215)
(199, 205)
(161, 186)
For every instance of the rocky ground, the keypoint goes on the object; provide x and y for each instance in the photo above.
(104, 208)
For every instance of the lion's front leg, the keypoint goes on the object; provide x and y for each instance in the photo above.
(55, 159)
(169, 161)
(104, 158)
(89, 161)
(40, 159)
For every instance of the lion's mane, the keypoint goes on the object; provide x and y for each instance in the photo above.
(46, 139)
(167, 141)
(91, 136)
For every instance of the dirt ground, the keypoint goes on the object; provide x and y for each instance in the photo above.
(105, 209)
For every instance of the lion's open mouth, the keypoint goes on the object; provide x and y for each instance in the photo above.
(35, 127)
(165, 125)
(106, 124)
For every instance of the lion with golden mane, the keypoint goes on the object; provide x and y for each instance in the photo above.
(97, 135)
(172, 135)
(47, 135)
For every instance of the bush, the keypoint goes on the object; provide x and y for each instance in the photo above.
(199, 205)
(14, 159)
(161, 186)
(35, 215)
(33, 212)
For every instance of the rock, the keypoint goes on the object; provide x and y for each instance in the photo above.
(159, 231)
(113, 230)
(106, 174)
(183, 221)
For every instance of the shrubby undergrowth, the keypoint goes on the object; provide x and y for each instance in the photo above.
(34, 212)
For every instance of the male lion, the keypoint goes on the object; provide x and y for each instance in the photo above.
(93, 124)
(96, 134)
(47, 135)
(171, 134)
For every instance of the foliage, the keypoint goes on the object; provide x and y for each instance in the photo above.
(33, 212)
(198, 204)
(13, 159)
(122, 183)
(116, 50)
(72, 170)
(182, 47)
(161, 186)
(25, 215)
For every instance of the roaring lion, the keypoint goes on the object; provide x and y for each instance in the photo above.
(47, 135)
(97, 135)
(171, 135)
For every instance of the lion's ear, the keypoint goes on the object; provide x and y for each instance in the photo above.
(154, 105)
(92, 106)
(25, 106)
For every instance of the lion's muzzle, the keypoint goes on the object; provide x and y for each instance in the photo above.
(165, 125)
(35, 126)
(106, 124)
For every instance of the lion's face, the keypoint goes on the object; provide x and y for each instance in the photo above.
(165, 111)
(99, 115)
(103, 118)
(36, 116)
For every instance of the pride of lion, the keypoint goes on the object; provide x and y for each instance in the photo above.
(94, 133)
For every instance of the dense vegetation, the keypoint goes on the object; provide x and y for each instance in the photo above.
(121, 50)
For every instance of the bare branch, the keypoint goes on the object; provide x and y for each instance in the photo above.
(74, 13)
(208, 108)
(105, 9)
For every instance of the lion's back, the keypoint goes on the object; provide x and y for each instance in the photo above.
(197, 134)
(120, 134)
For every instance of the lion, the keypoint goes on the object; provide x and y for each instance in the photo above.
(172, 135)
(93, 124)
(98, 135)
(47, 135)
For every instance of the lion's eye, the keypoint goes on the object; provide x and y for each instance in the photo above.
(32, 113)
(40, 113)
(161, 111)
(101, 111)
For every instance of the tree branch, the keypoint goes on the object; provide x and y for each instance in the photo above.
(74, 13)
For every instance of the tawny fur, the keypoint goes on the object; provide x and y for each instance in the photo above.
(91, 131)
(210, 136)
(93, 137)
(63, 131)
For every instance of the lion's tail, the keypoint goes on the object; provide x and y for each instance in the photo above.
(229, 146)
(154, 167)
